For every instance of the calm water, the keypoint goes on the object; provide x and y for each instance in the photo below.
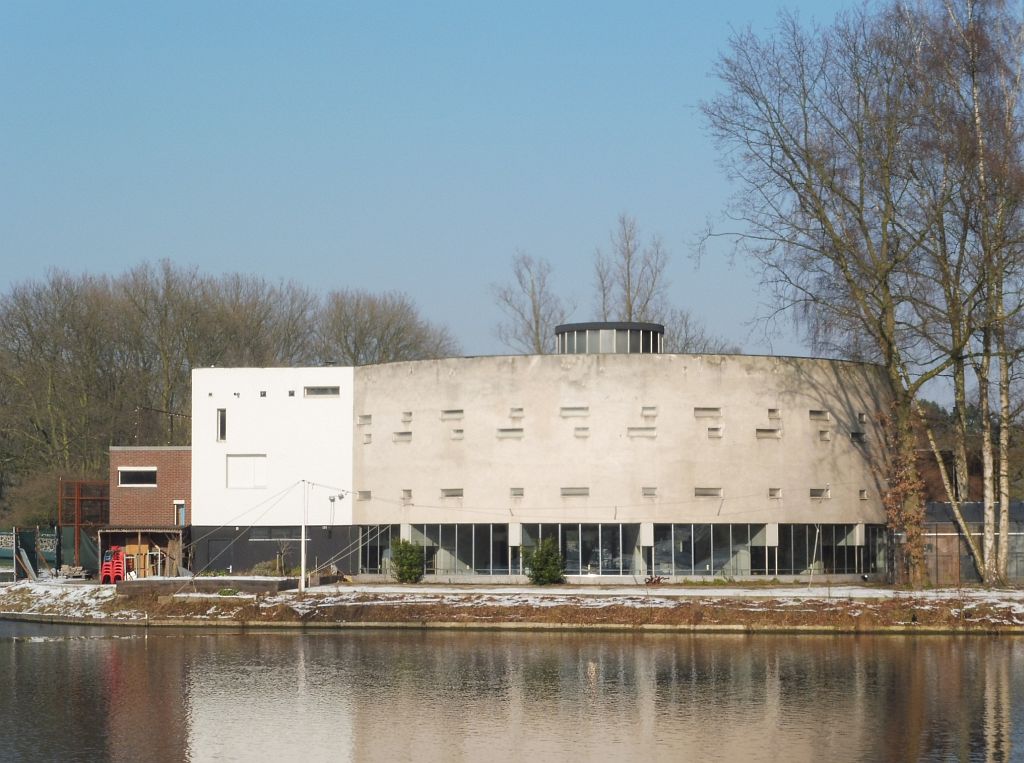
(99, 694)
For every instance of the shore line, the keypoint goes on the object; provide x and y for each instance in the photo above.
(850, 611)
(512, 626)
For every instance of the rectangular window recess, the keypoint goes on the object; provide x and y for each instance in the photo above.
(263, 393)
(568, 492)
(649, 492)
(820, 492)
(641, 431)
(291, 393)
(363, 495)
(406, 495)
(365, 419)
(816, 415)
(402, 437)
(136, 476)
(862, 418)
(516, 492)
(406, 417)
(321, 391)
(457, 434)
(773, 433)
(581, 431)
(451, 492)
(515, 413)
(246, 470)
(863, 494)
(707, 492)
(451, 413)
(707, 413)
(510, 433)
(858, 437)
(367, 438)
(568, 411)
(824, 435)
(714, 433)
(649, 411)
(775, 492)
(222, 424)
(773, 413)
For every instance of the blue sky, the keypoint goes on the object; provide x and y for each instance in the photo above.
(408, 146)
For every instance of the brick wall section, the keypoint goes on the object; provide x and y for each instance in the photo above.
(144, 506)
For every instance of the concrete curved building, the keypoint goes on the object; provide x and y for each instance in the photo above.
(638, 463)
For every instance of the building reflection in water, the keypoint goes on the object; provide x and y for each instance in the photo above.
(405, 695)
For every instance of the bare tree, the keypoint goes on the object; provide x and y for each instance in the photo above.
(686, 334)
(359, 328)
(880, 166)
(532, 309)
(814, 126)
(630, 277)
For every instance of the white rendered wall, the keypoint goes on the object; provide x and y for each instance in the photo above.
(404, 439)
(303, 438)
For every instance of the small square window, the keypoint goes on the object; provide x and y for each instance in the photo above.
(367, 438)
(364, 495)
(515, 413)
(263, 393)
(775, 492)
(365, 419)
(581, 432)
(649, 411)
(406, 495)
(291, 393)
(458, 434)
(825, 435)
(714, 433)
(649, 492)
(863, 494)
(773, 413)
(516, 492)
(406, 417)
(858, 437)
(862, 418)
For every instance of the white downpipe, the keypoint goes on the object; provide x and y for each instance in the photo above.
(302, 542)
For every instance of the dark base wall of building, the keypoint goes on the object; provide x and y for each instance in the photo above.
(225, 549)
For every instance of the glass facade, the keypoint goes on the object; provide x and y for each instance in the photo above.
(679, 550)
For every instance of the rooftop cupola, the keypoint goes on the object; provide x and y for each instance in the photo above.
(609, 338)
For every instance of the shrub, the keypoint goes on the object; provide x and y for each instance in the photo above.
(269, 568)
(406, 561)
(545, 564)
